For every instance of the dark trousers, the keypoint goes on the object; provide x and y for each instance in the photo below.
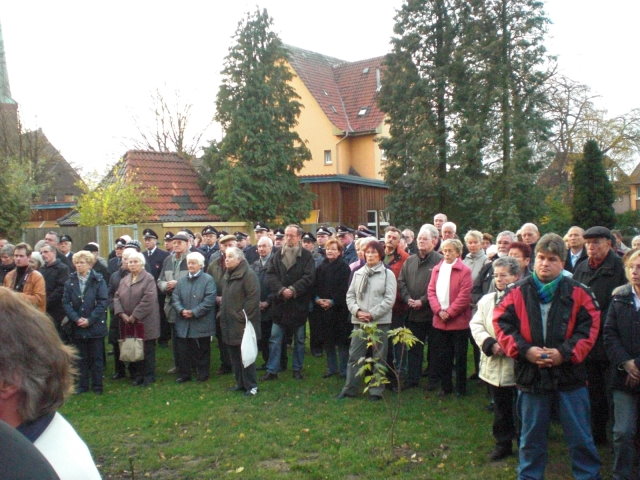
(225, 361)
(165, 327)
(450, 346)
(315, 333)
(90, 363)
(598, 397)
(145, 369)
(504, 419)
(263, 343)
(476, 354)
(194, 354)
(422, 331)
(245, 377)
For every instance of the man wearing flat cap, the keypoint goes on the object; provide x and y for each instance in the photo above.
(602, 272)
(345, 234)
(154, 257)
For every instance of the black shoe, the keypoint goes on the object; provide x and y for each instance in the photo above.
(317, 354)
(343, 395)
(261, 368)
(148, 381)
(202, 379)
(269, 376)
(137, 382)
(443, 394)
(375, 398)
(223, 371)
(235, 388)
(118, 376)
(432, 387)
(328, 374)
(98, 392)
(183, 379)
(474, 376)
(252, 392)
(297, 374)
(499, 452)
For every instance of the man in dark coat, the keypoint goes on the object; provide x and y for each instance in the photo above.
(576, 252)
(154, 258)
(55, 275)
(209, 243)
(602, 272)
(345, 235)
(265, 246)
(290, 275)
(412, 285)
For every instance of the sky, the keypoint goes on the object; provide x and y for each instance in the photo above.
(85, 72)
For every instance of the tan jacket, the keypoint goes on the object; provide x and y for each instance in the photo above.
(495, 370)
(34, 290)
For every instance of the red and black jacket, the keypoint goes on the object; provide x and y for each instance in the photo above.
(573, 324)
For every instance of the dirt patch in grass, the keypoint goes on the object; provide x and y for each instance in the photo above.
(274, 465)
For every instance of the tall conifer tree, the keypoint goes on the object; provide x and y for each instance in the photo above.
(252, 170)
(593, 194)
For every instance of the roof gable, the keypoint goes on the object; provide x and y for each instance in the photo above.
(180, 197)
(342, 89)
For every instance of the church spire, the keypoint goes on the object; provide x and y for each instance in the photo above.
(5, 91)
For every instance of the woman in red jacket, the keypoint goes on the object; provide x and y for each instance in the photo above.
(449, 294)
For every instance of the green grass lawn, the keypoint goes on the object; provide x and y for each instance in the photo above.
(291, 430)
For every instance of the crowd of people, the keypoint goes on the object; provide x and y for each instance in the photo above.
(552, 321)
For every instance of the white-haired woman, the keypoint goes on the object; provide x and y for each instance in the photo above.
(194, 300)
(85, 301)
(136, 305)
(240, 297)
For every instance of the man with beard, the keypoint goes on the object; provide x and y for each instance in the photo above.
(290, 276)
(55, 275)
(602, 272)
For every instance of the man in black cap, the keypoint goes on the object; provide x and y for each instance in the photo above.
(64, 246)
(115, 262)
(168, 241)
(322, 236)
(278, 237)
(345, 234)
(251, 253)
(52, 238)
(602, 272)
(209, 243)
(154, 257)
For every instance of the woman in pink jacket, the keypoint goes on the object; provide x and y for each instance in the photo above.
(449, 294)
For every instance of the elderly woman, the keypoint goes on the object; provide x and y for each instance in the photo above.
(330, 292)
(370, 299)
(240, 302)
(496, 369)
(85, 302)
(135, 303)
(449, 294)
(635, 242)
(194, 301)
(476, 257)
(622, 344)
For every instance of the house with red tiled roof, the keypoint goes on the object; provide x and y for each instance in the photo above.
(340, 122)
(179, 196)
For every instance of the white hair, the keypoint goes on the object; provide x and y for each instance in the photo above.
(198, 257)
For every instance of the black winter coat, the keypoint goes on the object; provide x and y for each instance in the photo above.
(292, 312)
(55, 276)
(622, 336)
(91, 304)
(241, 292)
(332, 282)
(266, 295)
(602, 281)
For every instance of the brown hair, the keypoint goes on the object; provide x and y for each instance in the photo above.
(335, 243)
(33, 358)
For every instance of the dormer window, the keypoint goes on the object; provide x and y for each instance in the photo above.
(365, 70)
(333, 109)
(363, 111)
(325, 93)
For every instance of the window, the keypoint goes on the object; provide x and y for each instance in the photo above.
(333, 109)
(363, 111)
(327, 157)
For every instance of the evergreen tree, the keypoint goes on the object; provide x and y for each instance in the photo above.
(252, 170)
(593, 195)
(463, 91)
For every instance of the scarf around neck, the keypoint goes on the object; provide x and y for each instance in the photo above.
(368, 272)
(546, 290)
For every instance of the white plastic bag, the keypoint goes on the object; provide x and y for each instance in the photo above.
(249, 345)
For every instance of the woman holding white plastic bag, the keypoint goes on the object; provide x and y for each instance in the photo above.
(240, 303)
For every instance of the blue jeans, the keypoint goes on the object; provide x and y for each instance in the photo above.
(625, 408)
(275, 348)
(574, 412)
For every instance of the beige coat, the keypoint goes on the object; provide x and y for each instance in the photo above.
(495, 370)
